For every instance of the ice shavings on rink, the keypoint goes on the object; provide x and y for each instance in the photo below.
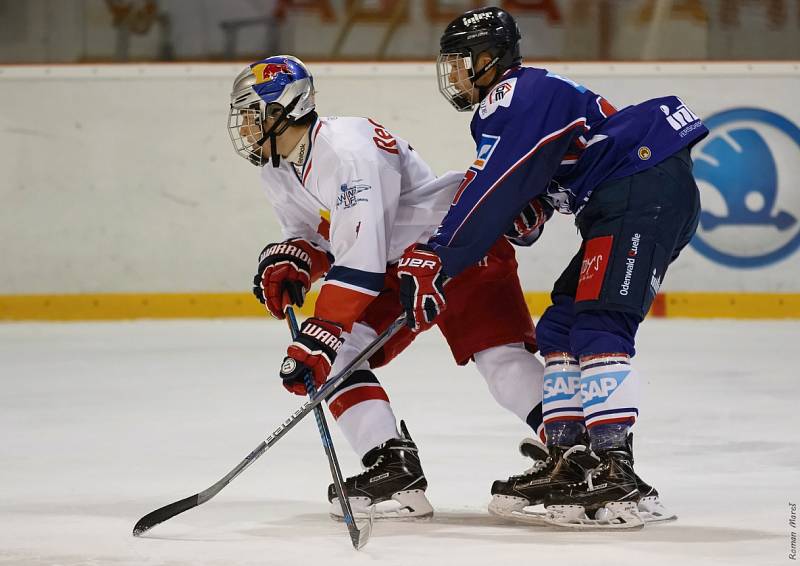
(104, 422)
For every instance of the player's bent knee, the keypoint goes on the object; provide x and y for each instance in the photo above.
(553, 329)
(513, 375)
(597, 332)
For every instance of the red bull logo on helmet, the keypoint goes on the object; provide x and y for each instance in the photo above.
(266, 72)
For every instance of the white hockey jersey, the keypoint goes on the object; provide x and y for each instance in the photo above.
(362, 194)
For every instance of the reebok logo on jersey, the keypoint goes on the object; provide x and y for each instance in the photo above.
(485, 149)
(562, 387)
(301, 154)
(383, 139)
(500, 95)
(598, 388)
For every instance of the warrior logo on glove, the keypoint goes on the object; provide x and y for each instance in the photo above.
(286, 271)
(314, 349)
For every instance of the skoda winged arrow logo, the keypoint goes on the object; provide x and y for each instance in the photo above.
(748, 170)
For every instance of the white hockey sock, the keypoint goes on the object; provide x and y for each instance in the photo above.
(514, 377)
(367, 425)
(360, 405)
(609, 389)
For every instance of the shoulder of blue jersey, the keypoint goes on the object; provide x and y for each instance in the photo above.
(499, 96)
(503, 93)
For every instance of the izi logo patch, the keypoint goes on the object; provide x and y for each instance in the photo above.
(681, 119)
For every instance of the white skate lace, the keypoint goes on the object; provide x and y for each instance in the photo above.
(538, 466)
(589, 477)
(590, 474)
(372, 467)
(576, 448)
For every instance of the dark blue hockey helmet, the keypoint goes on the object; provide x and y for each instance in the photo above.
(485, 30)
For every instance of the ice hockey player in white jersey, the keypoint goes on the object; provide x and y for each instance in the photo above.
(350, 197)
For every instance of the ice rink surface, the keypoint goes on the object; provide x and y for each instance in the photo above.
(104, 422)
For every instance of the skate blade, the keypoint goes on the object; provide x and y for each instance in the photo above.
(651, 510)
(516, 509)
(616, 516)
(411, 505)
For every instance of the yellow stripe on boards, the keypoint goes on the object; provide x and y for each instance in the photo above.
(123, 306)
(537, 302)
(733, 305)
(128, 306)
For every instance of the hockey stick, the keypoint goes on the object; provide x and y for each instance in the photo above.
(168, 511)
(359, 536)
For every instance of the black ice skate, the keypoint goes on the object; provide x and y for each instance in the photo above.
(651, 510)
(392, 486)
(515, 497)
(607, 499)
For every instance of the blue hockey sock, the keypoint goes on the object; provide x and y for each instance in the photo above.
(564, 433)
(608, 436)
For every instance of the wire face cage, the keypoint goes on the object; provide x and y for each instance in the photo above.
(246, 129)
(454, 72)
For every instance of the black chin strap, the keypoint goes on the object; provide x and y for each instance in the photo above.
(484, 90)
(274, 157)
(280, 125)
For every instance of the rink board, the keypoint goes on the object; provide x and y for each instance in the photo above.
(142, 209)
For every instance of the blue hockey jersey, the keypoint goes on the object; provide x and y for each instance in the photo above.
(539, 133)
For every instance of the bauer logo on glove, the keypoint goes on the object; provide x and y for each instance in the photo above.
(421, 286)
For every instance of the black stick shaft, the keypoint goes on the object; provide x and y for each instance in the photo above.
(358, 536)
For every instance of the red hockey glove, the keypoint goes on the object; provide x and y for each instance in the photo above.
(421, 286)
(286, 271)
(314, 349)
(528, 226)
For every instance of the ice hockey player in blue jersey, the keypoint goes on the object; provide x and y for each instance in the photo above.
(546, 143)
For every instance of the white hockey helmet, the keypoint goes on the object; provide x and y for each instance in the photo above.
(280, 87)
